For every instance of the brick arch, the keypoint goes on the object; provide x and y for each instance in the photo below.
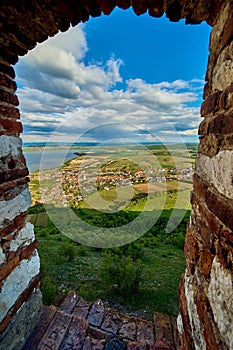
(205, 319)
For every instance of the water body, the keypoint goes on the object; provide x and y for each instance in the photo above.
(51, 159)
(55, 158)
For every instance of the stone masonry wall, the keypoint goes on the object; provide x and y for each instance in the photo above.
(19, 261)
(206, 291)
(206, 299)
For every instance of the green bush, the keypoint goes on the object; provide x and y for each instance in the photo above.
(41, 232)
(48, 290)
(120, 272)
(67, 250)
(37, 208)
(179, 240)
(82, 250)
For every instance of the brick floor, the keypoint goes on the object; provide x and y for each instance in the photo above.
(78, 325)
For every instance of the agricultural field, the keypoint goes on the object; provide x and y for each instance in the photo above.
(141, 277)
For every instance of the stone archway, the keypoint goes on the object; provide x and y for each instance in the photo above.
(206, 293)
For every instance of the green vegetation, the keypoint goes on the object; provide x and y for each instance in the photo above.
(142, 276)
(120, 272)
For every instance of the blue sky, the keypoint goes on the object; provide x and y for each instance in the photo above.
(117, 76)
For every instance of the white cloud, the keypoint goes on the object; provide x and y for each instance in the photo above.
(57, 88)
(189, 132)
(163, 96)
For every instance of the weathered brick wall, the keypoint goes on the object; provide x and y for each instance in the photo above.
(19, 261)
(206, 300)
(206, 291)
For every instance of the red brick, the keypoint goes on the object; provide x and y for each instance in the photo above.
(8, 97)
(8, 83)
(5, 188)
(15, 174)
(11, 265)
(199, 187)
(191, 249)
(27, 252)
(5, 323)
(210, 219)
(9, 112)
(11, 255)
(206, 259)
(20, 220)
(8, 238)
(11, 226)
(10, 126)
(221, 207)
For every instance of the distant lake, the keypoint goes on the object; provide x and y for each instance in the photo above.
(51, 159)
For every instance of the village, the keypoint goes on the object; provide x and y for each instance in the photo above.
(73, 183)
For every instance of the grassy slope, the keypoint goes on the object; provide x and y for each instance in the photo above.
(163, 264)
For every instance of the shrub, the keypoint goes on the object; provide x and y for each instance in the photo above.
(48, 290)
(82, 250)
(67, 250)
(120, 272)
(179, 241)
(41, 232)
(37, 208)
(135, 251)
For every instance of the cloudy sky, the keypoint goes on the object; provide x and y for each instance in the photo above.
(117, 76)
